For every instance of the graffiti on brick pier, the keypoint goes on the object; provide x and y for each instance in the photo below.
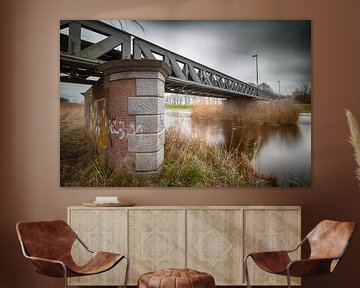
(104, 127)
(121, 130)
(99, 122)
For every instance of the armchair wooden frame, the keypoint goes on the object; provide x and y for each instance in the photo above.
(322, 260)
(65, 267)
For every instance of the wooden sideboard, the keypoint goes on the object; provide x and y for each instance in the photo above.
(211, 239)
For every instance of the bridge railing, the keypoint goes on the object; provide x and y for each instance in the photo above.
(184, 70)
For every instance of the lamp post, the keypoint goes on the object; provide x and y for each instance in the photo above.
(257, 69)
(279, 87)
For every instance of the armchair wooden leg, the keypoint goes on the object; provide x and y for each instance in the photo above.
(246, 271)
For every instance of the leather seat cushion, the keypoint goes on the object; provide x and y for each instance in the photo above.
(176, 278)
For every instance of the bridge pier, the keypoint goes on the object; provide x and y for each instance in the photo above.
(135, 107)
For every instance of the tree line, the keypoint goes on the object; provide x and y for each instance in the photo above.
(301, 94)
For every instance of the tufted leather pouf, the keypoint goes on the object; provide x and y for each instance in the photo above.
(176, 278)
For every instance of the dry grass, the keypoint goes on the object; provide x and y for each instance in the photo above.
(246, 111)
(80, 163)
(188, 162)
(71, 115)
(192, 162)
(354, 140)
(203, 111)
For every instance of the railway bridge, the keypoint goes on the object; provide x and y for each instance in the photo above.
(125, 106)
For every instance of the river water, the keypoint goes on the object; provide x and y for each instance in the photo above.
(284, 152)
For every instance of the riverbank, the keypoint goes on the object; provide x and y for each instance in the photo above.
(188, 162)
(281, 150)
(177, 106)
(201, 109)
(304, 108)
(192, 162)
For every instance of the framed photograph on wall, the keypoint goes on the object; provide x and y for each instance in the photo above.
(185, 103)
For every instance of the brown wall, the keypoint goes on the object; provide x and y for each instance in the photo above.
(29, 113)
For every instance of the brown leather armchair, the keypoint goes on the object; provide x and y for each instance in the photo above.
(328, 242)
(48, 245)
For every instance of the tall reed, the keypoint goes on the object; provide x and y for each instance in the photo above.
(207, 111)
(71, 116)
(354, 140)
(190, 161)
(248, 111)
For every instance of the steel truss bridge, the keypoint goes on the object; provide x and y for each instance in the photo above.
(79, 60)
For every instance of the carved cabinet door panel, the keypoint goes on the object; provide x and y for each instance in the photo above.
(156, 240)
(214, 244)
(101, 230)
(269, 230)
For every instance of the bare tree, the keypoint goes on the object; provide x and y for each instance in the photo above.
(265, 87)
(303, 93)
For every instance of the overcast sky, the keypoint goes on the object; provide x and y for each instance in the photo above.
(283, 48)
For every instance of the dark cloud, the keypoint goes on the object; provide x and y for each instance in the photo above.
(283, 46)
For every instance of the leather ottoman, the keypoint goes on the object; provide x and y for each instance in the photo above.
(176, 278)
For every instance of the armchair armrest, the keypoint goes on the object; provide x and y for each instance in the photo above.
(49, 267)
(280, 252)
(314, 266)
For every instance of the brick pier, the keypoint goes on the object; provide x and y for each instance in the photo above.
(131, 97)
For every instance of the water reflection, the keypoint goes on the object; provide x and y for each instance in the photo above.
(282, 151)
(287, 154)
